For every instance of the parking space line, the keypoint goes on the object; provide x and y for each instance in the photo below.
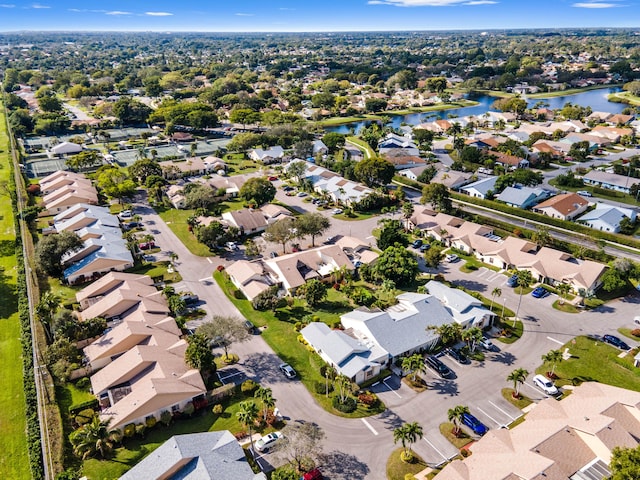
(554, 340)
(209, 260)
(229, 376)
(496, 422)
(434, 447)
(204, 279)
(368, 425)
(391, 389)
(512, 418)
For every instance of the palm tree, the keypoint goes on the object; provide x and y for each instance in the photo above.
(343, 383)
(496, 292)
(266, 396)
(472, 336)
(407, 212)
(518, 377)
(94, 437)
(524, 280)
(414, 364)
(45, 311)
(455, 415)
(247, 416)
(407, 435)
(563, 290)
(555, 357)
(173, 256)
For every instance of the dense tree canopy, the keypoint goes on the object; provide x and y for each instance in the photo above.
(259, 190)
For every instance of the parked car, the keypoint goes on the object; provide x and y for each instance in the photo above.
(337, 211)
(439, 367)
(273, 254)
(287, 188)
(636, 320)
(546, 385)
(248, 324)
(616, 342)
(268, 441)
(147, 245)
(512, 281)
(149, 258)
(488, 345)
(584, 193)
(452, 257)
(302, 194)
(417, 243)
(288, 370)
(272, 178)
(232, 246)
(458, 356)
(330, 240)
(539, 292)
(314, 474)
(125, 214)
(190, 299)
(424, 247)
(474, 424)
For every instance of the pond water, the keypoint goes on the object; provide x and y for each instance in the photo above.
(596, 99)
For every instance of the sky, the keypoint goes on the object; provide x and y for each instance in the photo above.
(313, 15)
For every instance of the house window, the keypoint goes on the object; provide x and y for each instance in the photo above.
(368, 373)
(175, 408)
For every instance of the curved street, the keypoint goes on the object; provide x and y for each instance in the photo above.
(359, 448)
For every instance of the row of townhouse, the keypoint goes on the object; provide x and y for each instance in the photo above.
(547, 265)
(63, 189)
(372, 338)
(289, 272)
(138, 367)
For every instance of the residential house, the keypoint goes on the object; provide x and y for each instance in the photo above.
(145, 381)
(508, 161)
(607, 218)
(522, 197)
(594, 141)
(393, 142)
(568, 439)
(357, 250)
(196, 456)
(565, 206)
(482, 188)
(63, 190)
(270, 155)
(338, 188)
(401, 158)
(319, 148)
(620, 119)
(556, 149)
(612, 133)
(272, 212)
(466, 310)
(349, 356)
(401, 329)
(175, 193)
(247, 220)
(61, 178)
(412, 173)
(191, 166)
(294, 269)
(251, 278)
(452, 179)
(609, 180)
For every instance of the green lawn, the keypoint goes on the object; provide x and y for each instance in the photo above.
(157, 269)
(14, 460)
(522, 402)
(282, 338)
(446, 429)
(397, 469)
(595, 361)
(136, 449)
(362, 145)
(238, 164)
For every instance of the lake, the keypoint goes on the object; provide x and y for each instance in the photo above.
(596, 99)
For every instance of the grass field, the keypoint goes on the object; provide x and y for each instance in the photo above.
(593, 360)
(397, 469)
(14, 461)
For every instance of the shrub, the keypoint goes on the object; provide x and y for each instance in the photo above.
(635, 332)
(349, 405)
(83, 384)
(249, 387)
(302, 340)
(141, 428)
(238, 295)
(465, 453)
(84, 416)
(129, 430)
(220, 268)
(189, 409)
(298, 326)
(166, 417)
(321, 387)
(368, 398)
(337, 324)
(240, 435)
(75, 409)
(151, 421)
(217, 409)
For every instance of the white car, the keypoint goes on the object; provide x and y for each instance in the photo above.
(337, 211)
(544, 384)
(584, 193)
(268, 441)
(452, 257)
(126, 214)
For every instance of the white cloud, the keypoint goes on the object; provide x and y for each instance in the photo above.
(595, 5)
(287, 9)
(38, 6)
(480, 2)
(118, 12)
(6, 5)
(245, 14)
(425, 3)
(158, 14)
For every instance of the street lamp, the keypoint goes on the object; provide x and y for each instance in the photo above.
(504, 301)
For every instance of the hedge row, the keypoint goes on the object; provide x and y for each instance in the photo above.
(30, 393)
(555, 222)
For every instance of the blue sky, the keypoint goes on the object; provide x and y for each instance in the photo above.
(314, 15)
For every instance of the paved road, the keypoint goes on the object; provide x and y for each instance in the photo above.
(78, 113)
(359, 448)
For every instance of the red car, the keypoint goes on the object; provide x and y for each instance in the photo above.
(147, 245)
(272, 179)
(314, 474)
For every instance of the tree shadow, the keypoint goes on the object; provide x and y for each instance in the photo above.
(7, 248)
(445, 387)
(471, 285)
(507, 358)
(390, 419)
(342, 466)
